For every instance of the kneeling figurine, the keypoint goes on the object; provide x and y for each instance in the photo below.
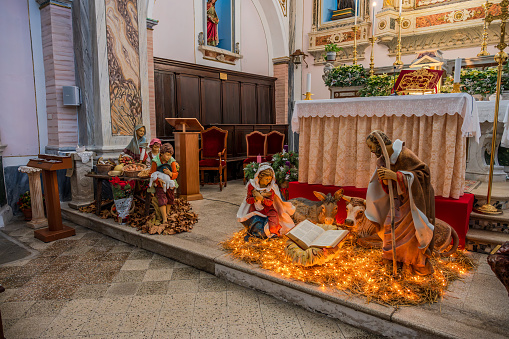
(263, 212)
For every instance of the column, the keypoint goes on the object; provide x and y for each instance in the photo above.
(151, 85)
(58, 52)
(34, 181)
(5, 210)
(281, 73)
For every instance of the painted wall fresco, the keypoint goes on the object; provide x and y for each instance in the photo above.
(123, 65)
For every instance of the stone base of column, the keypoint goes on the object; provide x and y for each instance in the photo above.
(5, 215)
(76, 205)
(39, 223)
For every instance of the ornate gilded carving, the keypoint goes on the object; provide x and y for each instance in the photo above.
(283, 4)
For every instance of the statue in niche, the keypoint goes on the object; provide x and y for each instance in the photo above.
(344, 4)
(414, 202)
(212, 21)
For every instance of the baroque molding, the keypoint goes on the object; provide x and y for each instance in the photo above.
(444, 40)
(284, 5)
(59, 3)
(218, 54)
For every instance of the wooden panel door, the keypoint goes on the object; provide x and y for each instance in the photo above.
(264, 105)
(249, 106)
(211, 113)
(165, 102)
(231, 102)
(188, 96)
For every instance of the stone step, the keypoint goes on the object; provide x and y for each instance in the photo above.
(484, 241)
(499, 192)
(493, 223)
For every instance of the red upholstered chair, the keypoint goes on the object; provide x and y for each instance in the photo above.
(213, 153)
(255, 146)
(274, 144)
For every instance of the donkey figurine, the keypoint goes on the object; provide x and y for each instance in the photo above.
(319, 212)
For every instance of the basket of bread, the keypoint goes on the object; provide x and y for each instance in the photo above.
(104, 166)
(132, 170)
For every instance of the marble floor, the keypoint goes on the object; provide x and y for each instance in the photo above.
(93, 286)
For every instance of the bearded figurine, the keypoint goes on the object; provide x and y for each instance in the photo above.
(414, 200)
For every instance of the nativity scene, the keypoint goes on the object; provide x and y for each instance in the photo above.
(338, 163)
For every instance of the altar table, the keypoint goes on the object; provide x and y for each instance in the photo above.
(332, 142)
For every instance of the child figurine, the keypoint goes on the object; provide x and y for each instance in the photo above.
(136, 148)
(264, 213)
(155, 147)
(163, 175)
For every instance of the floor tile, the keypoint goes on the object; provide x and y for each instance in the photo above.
(15, 310)
(146, 304)
(139, 322)
(185, 273)
(83, 307)
(102, 324)
(63, 326)
(91, 291)
(183, 286)
(46, 308)
(134, 265)
(175, 333)
(29, 327)
(113, 305)
(122, 289)
(158, 275)
(153, 287)
(129, 276)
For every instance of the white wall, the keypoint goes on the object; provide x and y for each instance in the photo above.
(20, 128)
(180, 22)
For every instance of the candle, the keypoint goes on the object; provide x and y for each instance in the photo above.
(259, 159)
(400, 6)
(457, 70)
(285, 148)
(373, 23)
(308, 87)
(355, 16)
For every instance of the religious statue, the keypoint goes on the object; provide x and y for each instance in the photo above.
(263, 212)
(414, 202)
(136, 148)
(163, 175)
(212, 21)
(155, 146)
(344, 4)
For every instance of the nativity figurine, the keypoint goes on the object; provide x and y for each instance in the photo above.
(163, 175)
(263, 212)
(137, 147)
(414, 202)
(155, 147)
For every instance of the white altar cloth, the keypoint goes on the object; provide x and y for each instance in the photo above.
(402, 105)
(486, 111)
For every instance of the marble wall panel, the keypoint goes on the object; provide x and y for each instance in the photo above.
(122, 42)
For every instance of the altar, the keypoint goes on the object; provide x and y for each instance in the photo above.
(332, 142)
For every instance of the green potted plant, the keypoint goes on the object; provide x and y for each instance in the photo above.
(331, 51)
(25, 205)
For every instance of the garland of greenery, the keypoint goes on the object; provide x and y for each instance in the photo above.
(285, 165)
(346, 76)
(378, 85)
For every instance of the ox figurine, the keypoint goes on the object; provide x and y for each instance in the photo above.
(371, 234)
(319, 212)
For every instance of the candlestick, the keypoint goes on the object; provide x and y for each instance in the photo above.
(259, 159)
(308, 87)
(484, 45)
(400, 6)
(457, 70)
(373, 22)
(372, 63)
(308, 96)
(355, 29)
(398, 61)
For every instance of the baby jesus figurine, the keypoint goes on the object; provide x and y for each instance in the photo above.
(263, 212)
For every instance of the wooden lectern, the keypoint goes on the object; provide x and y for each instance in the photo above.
(49, 165)
(187, 155)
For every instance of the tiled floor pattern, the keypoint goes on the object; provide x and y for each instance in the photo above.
(92, 286)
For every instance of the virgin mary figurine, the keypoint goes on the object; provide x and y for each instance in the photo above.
(263, 212)
(212, 21)
(136, 148)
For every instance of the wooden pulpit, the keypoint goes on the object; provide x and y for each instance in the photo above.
(49, 165)
(187, 155)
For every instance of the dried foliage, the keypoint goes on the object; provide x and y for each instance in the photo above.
(355, 271)
(181, 218)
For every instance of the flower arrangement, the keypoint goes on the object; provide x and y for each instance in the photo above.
(346, 76)
(483, 82)
(250, 170)
(24, 201)
(286, 166)
(121, 188)
(378, 85)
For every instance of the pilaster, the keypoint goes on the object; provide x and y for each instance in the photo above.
(281, 89)
(58, 52)
(151, 23)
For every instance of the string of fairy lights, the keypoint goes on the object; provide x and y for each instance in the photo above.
(355, 271)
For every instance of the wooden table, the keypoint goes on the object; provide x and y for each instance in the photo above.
(99, 178)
